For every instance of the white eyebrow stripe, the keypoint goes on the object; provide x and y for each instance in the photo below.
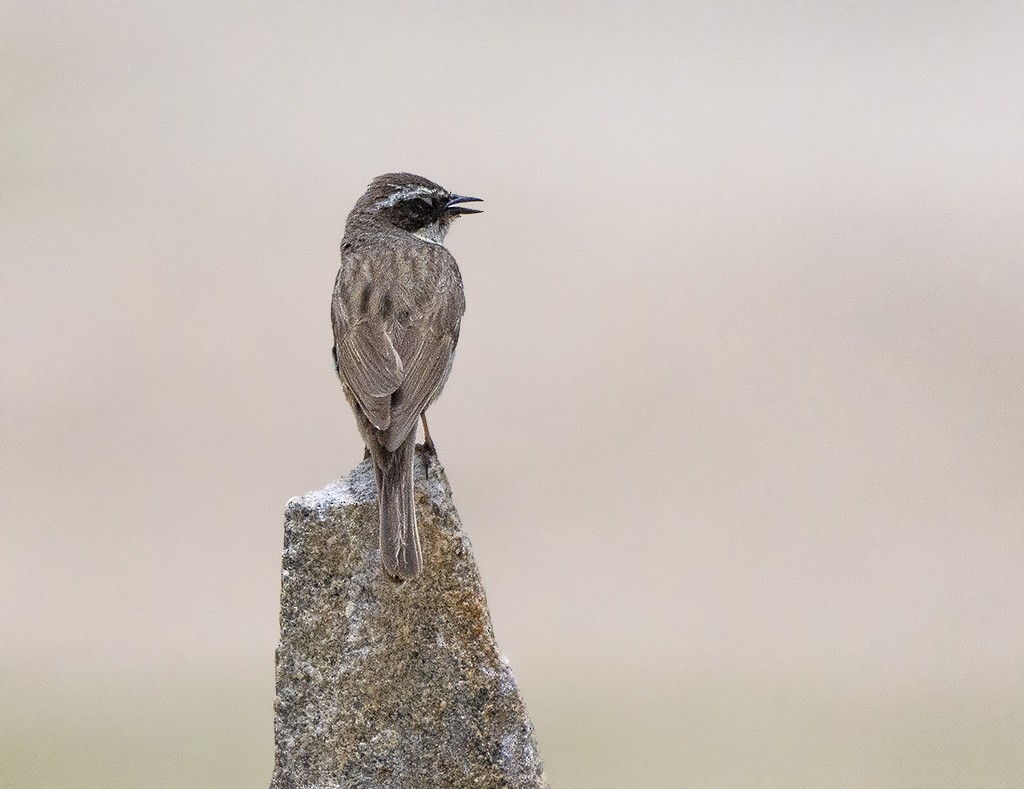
(403, 194)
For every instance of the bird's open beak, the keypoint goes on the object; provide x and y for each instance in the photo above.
(453, 207)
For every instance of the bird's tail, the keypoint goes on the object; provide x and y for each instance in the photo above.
(399, 539)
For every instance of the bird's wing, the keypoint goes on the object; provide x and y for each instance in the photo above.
(427, 359)
(370, 365)
(367, 361)
(426, 347)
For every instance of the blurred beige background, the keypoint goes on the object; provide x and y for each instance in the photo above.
(735, 425)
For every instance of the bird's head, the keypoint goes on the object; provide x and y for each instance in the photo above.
(414, 204)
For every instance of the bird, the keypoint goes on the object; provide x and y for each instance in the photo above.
(396, 309)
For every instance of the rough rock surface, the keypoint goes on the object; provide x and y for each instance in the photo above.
(382, 684)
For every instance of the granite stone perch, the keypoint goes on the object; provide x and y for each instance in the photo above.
(383, 684)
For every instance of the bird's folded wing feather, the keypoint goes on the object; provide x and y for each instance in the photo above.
(372, 368)
(427, 359)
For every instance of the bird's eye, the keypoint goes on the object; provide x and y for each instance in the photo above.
(420, 205)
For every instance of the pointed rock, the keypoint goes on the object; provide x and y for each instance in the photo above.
(381, 684)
